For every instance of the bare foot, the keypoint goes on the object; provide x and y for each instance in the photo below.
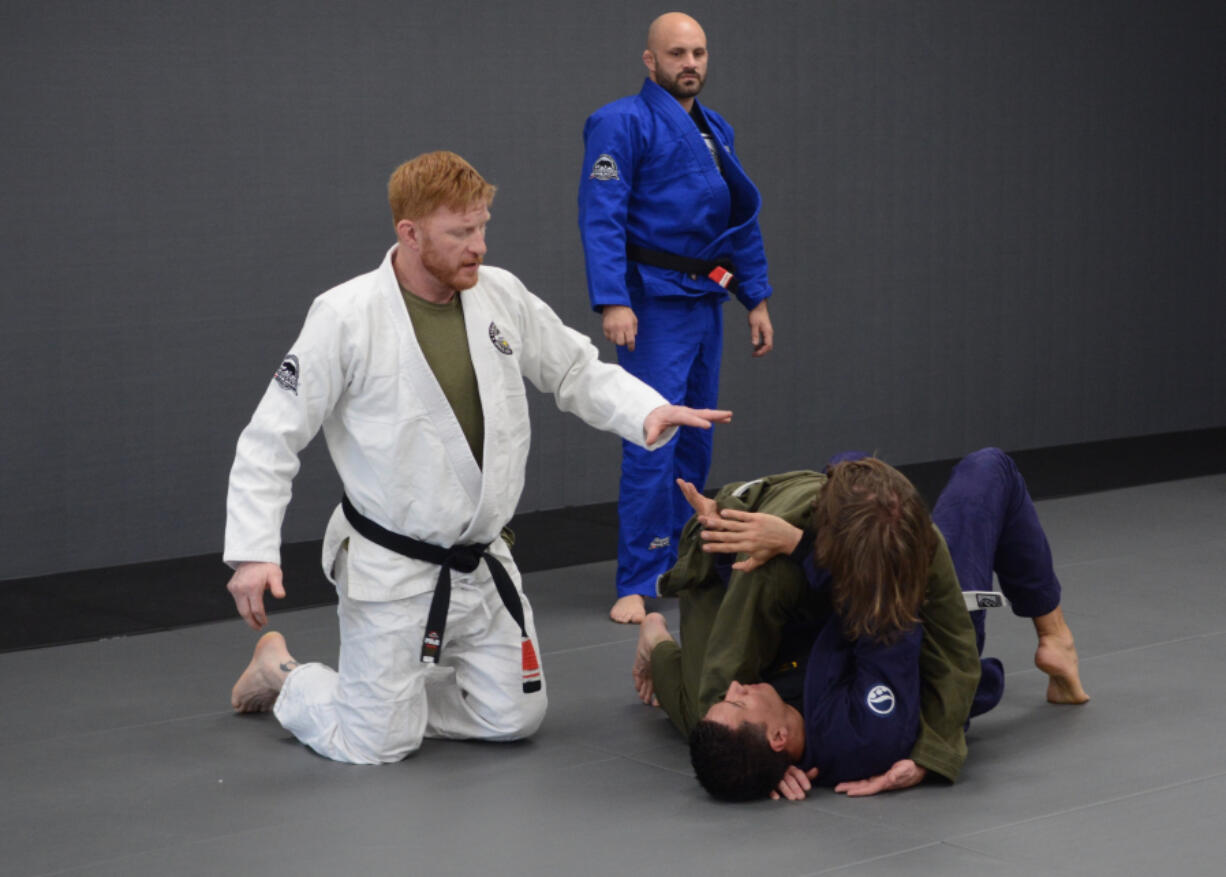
(1057, 657)
(257, 689)
(652, 632)
(629, 609)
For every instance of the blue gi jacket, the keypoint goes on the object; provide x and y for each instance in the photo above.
(649, 179)
(862, 704)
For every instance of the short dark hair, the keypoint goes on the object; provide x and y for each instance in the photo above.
(735, 765)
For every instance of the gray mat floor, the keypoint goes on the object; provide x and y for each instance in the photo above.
(122, 758)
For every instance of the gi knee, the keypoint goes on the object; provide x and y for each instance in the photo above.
(524, 719)
(383, 734)
(990, 463)
(532, 713)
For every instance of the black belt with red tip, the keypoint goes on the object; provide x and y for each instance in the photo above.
(462, 558)
(719, 270)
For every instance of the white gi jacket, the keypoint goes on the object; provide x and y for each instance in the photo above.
(357, 371)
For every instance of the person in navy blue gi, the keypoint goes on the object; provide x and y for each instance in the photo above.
(861, 692)
(669, 224)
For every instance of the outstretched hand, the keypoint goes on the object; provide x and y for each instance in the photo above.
(901, 775)
(247, 586)
(660, 419)
(795, 784)
(757, 534)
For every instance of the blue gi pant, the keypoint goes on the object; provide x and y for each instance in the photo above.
(988, 518)
(677, 351)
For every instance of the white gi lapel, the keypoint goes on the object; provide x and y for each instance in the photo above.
(427, 389)
(488, 349)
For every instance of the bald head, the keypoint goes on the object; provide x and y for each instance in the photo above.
(670, 26)
(676, 56)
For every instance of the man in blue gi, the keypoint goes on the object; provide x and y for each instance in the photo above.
(669, 222)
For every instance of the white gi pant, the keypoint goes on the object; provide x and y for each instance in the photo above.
(384, 700)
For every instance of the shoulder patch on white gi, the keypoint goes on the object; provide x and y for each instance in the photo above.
(500, 343)
(605, 168)
(287, 375)
(880, 700)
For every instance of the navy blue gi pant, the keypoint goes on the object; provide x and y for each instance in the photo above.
(988, 518)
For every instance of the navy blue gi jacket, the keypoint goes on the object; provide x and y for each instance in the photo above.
(861, 704)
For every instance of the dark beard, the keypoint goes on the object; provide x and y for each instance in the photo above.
(680, 92)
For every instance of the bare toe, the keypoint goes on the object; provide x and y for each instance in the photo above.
(629, 609)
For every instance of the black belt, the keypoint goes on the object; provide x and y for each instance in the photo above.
(716, 269)
(462, 558)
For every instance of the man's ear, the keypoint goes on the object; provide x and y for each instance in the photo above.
(649, 61)
(778, 739)
(406, 233)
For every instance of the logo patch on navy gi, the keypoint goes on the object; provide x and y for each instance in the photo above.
(880, 700)
(605, 168)
(500, 343)
(989, 601)
(287, 375)
(659, 542)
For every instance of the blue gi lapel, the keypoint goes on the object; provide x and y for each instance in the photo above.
(666, 107)
(746, 200)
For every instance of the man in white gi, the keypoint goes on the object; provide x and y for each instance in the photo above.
(419, 391)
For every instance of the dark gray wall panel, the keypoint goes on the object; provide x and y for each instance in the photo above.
(988, 222)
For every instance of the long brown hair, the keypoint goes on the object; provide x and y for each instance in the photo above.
(875, 536)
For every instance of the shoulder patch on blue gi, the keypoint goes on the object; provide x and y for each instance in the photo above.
(880, 700)
(287, 375)
(500, 343)
(605, 168)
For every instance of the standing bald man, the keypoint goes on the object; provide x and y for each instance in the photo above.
(669, 222)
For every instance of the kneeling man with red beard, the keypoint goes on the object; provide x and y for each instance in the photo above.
(415, 373)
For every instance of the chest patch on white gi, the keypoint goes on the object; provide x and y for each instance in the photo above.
(880, 700)
(605, 168)
(287, 375)
(500, 343)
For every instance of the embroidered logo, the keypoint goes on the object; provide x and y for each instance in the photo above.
(989, 601)
(880, 700)
(500, 343)
(659, 542)
(287, 375)
(605, 168)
